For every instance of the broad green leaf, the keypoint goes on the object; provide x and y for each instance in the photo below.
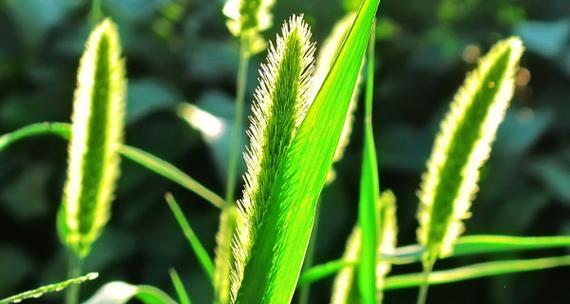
(179, 287)
(96, 137)
(38, 292)
(285, 228)
(327, 56)
(280, 105)
(197, 247)
(462, 147)
(345, 287)
(475, 271)
(368, 199)
(145, 159)
(121, 293)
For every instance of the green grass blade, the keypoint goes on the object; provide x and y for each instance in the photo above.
(199, 250)
(369, 192)
(96, 136)
(463, 146)
(345, 289)
(483, 244)
(171, 173)
(38, 292)
(327, 55)
(121, 293)
(476, 271)
(322, 271)
(285, 229)
(179, 287)
(145, 159)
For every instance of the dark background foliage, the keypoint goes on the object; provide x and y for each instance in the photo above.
(180, 51)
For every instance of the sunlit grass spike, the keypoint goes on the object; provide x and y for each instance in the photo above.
(96, 137)
(461, 148)
(280, 104)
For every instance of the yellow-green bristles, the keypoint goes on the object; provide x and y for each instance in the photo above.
(96, 136)
(281, 101)
(462, 147)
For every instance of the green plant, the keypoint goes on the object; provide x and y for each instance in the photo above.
(300, 125)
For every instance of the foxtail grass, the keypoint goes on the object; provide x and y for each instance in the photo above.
(460, 150)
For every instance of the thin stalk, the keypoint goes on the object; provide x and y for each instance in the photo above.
(96, 13)
(73, 271)
(428, 266)
(309, 259)
(238, 121)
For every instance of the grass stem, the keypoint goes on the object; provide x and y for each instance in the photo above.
(238, 122)
(428, 266)
(73, 271)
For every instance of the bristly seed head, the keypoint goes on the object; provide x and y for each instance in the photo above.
(281, 101)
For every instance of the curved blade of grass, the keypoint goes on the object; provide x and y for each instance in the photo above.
(369, 192)
(121, 293)
(285, 228)
(145, 159)
(199, 250)
(483, 244)
(345, 287)
(38, 292)
(466, 245)
(475, 271)
(461, 148)
(179, 287)
(96, 135)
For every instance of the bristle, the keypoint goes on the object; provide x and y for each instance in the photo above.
(279, 107)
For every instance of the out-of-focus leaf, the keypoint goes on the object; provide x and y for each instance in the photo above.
(545, 38)
(147, 95)
(555, 175)
(36, 17)
(132, 10)
(25, 196)
(121, 293)
(520, 130)
(16, 266)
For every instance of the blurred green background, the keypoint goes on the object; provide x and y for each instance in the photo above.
(180, 51)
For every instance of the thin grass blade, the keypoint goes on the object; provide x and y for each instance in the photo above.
(38, 292)
(143, 158)
(179, 287)
(197, 247)
(476, 271)
(369, 193)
